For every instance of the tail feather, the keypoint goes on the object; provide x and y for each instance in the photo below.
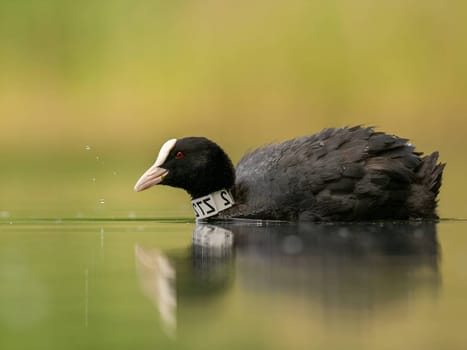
(422, 201)
(431, 173)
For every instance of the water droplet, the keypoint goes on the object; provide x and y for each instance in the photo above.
(366, 149)
(102, 201)
(11, 222)
(97, 157)
(87, 148)
(131, 214)
(115, 173)
(93, 179)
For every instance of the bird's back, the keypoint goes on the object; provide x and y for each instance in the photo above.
(338, 174)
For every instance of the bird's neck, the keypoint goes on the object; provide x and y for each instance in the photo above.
(212, 186)
(220, 176)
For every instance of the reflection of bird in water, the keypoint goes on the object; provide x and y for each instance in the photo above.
(344, 269)
(157, 278)
(343, 174)
(342, 266)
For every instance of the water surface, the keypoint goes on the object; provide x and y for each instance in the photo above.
(174, 284)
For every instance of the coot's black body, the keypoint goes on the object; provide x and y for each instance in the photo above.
(342, 174)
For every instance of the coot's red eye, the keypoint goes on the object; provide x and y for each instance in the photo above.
(179, 155)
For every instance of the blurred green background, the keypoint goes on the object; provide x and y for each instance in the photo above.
(89, 90)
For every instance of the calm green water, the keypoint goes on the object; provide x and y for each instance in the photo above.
(171, 284)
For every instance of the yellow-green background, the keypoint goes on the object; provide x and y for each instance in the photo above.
(124, 76)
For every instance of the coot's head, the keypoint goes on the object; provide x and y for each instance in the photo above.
(195, 164)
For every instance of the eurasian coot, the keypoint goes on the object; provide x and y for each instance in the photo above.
(338, 174)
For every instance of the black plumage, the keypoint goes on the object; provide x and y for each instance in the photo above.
(343, 174)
